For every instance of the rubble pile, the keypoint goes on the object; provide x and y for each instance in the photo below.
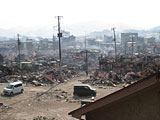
(3, 107)
(42, 78)
(111, 78)
(57, 94)
(43, 118)
(76, 58)
(42, 69)
(123, 70)
(152, 68)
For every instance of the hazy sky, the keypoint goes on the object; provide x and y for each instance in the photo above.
(32, 13)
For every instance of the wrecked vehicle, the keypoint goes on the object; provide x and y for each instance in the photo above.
(13, 88)
(84, 90)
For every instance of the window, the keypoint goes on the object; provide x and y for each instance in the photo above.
(86, 87)
(9, 86)
(18, 85)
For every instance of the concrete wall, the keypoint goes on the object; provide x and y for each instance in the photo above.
(144, 105)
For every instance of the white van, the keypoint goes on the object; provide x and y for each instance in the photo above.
(13, 88)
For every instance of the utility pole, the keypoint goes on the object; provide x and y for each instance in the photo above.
(86, 57)
(132, 47)
(59, 35)
(114, 39)
(18, 42)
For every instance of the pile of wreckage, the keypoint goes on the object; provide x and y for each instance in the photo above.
(44, 69)
(77, 58)
(37, 70)
(125, 71)
(58, 94)
(3, 107)
(47, 76)
(111, 78)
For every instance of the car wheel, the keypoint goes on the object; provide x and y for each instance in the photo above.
(22, 91)
(11, 93)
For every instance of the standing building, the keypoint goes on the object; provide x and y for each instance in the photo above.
(127, 41)
(108, 39)
(29, 46)
(127, 37)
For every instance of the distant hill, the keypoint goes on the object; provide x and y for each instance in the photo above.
(157, 28)
(81, 29)
(101, 33)
(34, 32)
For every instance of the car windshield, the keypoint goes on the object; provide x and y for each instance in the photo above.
(9, 86)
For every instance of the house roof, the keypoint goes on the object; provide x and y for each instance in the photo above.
(131, 89)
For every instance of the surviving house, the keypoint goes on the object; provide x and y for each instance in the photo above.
(139, 101)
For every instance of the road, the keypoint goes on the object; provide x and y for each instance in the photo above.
(56, 103)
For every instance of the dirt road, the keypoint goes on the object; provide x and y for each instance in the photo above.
(57, 102)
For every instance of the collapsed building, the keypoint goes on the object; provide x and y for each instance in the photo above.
(123, 70)
(126, 66)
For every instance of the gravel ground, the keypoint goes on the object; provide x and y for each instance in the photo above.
(57, 102)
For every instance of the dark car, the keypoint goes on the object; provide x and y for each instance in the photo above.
(84, 90)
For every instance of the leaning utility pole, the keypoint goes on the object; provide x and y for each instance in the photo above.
(114, 35)
(59, 35)
(18, 43)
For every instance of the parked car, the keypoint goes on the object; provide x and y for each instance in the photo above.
(13, 88)
(84, 90)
